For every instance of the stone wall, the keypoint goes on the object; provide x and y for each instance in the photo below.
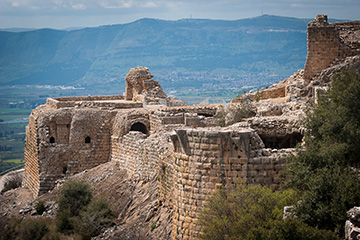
(206, 160)
(31, 154)
(145, 157)
(62, 142)
(328, 43)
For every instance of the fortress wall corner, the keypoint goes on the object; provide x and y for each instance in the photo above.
(328, 43)
(31, 157)
(207, 160)
(323, 47)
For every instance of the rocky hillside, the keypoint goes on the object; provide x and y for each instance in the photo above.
(134, 202)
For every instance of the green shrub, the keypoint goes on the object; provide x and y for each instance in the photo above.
(258, 95)
(235, 213)
(26, 229)
(291, 229)
(64, 221)
(74, 196)
(331, 193)
(40, 207)
(93, 218)
(153, 226)
(80, 213)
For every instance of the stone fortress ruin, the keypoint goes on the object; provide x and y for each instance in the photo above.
(147, 133)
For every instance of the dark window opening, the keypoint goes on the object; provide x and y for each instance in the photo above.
(205, 114)
(64, 170)
(52, 140)
(139, 127)
(87, 139)
(278, 142)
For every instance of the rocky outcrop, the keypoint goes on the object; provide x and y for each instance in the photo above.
(352, 226)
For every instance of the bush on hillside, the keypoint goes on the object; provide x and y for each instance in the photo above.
(237, 212)
(74, 196)
(80, 213)
(93, 218)
(25, 229)
(291, 229)
(40, 207)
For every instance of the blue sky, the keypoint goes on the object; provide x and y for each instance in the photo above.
(89, 13)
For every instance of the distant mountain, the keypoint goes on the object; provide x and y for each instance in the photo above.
(17, 29)
(183, 53)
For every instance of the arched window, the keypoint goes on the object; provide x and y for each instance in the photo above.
(52, 140)
(139, 127)
(87, 139)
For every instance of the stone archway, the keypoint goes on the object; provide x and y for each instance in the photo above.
(140, 127)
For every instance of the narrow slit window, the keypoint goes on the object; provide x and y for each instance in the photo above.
(87, 139)
(52, 140)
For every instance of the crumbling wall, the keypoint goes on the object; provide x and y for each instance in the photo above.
(140, 87)
(31, 156)
(206, 160)
(329, 42)
(62, 142)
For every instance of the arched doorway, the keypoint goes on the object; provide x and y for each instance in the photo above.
(139, 127)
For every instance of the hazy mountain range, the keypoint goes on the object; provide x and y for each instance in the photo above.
(183, 53)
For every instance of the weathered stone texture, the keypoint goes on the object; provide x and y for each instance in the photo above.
(329, 42)
(140, 87)
(352, 226)
(71, 141)
(206, 160)
(31, 153)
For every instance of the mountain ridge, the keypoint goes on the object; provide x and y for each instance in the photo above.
(258, 47)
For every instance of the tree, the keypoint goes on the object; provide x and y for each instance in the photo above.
(323, 171)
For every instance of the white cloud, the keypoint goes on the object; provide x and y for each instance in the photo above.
(78, 6)
(150, 4)
(115, 3)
